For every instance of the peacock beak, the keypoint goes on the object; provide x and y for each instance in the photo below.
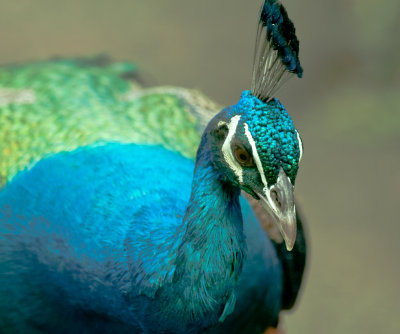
(278, 200)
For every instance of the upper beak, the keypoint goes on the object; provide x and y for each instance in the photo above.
(278, 200)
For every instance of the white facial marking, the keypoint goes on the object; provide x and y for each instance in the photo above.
(300, 145)
(256, 157)
(227, 151)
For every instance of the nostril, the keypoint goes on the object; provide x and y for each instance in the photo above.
(275, 198)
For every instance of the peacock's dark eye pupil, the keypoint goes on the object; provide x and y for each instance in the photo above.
(243, 157)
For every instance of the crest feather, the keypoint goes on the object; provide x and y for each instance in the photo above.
(276, 54)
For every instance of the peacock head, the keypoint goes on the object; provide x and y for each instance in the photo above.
(257, 148)
(255, 145)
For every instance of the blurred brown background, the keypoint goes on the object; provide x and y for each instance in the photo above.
(347, 108)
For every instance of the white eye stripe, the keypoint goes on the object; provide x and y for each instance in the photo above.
(255, 155)
(300, 145)
(227, 150)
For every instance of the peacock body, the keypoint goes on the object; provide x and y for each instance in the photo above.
(111, 222)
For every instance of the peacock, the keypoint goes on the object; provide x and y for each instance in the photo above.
(126, 209)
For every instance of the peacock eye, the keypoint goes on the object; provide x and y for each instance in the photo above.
(243, 157)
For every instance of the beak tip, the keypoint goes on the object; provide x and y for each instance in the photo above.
(289, 246)
(289, 234)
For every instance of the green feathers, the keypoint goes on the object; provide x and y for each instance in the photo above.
(59, 105)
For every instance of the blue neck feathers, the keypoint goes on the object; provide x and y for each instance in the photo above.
(192, 270)
(163, 266)
(211, 245)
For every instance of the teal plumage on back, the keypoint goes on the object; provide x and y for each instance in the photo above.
(121, 207)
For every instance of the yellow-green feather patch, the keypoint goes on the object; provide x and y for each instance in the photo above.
(54, 106)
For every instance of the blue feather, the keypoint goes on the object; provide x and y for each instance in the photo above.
(133, 238)
(117, 251)
(281, 34)
(276, 55)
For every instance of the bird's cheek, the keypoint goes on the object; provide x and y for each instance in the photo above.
(249, 190)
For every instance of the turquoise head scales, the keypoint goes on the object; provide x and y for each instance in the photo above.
(277, 140)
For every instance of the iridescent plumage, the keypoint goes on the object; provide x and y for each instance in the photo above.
(108, 225)
(278, 143)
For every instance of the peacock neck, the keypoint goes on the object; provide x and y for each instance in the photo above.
(213, 201)
(209, 257)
